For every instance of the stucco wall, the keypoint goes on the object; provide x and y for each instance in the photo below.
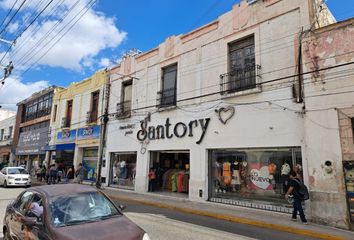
(327, 91)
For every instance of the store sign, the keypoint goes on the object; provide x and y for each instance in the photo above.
(89, 132)
(127, 128)
(32, 141)
(261, 178)
(179, 130)
(66, 136)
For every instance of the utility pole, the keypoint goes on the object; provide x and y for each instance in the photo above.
(104, 121)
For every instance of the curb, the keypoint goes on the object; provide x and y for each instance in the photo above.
(261, 224)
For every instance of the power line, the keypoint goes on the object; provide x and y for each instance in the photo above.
(23, 2)
(8, 13)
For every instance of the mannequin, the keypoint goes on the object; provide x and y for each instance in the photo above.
(285, 171)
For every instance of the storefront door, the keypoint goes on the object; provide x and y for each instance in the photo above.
(169, 171)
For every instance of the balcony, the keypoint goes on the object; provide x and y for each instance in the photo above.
(166, 98)
(240, 79)
(124, 109)
(65, 122)
(91, 117)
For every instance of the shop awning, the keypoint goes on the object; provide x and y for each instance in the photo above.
(49, 148)
(67, 146)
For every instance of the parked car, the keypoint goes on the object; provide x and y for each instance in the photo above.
(67, 212)
(14, 176)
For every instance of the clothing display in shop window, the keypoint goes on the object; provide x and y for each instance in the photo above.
(235, 180)
(285, 171)
(227, 173)
(122, 169)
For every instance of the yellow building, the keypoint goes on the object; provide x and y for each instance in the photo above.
(76, 124)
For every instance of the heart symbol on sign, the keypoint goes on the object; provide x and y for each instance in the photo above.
(226, 114)
(260, 177)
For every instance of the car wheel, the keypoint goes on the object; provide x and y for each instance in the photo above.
(5, 184)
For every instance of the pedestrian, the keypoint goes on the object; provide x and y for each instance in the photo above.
(53, 174)
(296, 199)
(69, 174)
(80, 173)
(152, 179)
(43, 173)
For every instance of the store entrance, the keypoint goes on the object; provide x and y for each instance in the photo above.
(169, 172)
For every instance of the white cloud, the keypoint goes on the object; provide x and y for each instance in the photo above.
(14, 91)
(93, 33)
(12, 28)
(105, 62)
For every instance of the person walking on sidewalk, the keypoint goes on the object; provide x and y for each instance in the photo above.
(80, 172)
(293, 192)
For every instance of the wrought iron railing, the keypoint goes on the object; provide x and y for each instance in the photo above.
(166, 97)
(239, 79)
(91, 117)
(124, 109)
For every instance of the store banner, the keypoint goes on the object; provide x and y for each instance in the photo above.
(90, 132)
(31, 142)
(66, 136)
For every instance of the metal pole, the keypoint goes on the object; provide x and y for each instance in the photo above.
(104, 121)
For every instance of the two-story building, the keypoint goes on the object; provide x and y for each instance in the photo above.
(32, 128)
(6, 135)
(328, 60)
(216, 112)
(76, 124)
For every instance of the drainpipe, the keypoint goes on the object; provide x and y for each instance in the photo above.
(104, 121)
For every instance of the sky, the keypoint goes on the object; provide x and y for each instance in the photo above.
(71, 39)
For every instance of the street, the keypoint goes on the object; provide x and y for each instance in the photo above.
(163, 223)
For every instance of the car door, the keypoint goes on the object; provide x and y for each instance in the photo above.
(19, 209)
(39, 231)
(2, 176)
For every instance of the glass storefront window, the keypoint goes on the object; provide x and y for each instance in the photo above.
(123, 170)
(89, 162)
(256, 174)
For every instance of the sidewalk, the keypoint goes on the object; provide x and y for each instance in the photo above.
(255, 217)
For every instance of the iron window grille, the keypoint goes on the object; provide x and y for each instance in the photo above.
(240, 79)
(124, 109)
(166, 97)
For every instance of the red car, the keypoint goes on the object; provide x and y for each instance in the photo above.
(67, 212)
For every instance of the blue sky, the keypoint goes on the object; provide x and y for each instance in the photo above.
(100, 37)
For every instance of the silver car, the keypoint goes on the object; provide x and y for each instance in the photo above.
(14, 176)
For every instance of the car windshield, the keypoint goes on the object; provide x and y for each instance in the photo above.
(81, 208)
(16, 171)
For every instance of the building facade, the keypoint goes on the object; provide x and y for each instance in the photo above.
(6, 136)
(328, 55)
(214, 112)
(76, 124)
(32, 129)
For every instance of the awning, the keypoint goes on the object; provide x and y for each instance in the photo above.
(49, 148)
(67, 146)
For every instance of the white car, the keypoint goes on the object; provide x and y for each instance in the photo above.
(14, 176)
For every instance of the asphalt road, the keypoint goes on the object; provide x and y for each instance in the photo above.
(161, 223)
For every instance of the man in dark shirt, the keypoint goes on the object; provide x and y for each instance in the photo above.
(294, 187)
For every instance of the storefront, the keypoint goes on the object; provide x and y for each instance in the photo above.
(65, 148)
(123, 170)
(29, 150)
(171, 170)
(256, 177)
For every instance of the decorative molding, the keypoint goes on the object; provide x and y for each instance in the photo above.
(200, 31)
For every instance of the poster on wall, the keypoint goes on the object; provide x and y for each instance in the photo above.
(90, 167)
